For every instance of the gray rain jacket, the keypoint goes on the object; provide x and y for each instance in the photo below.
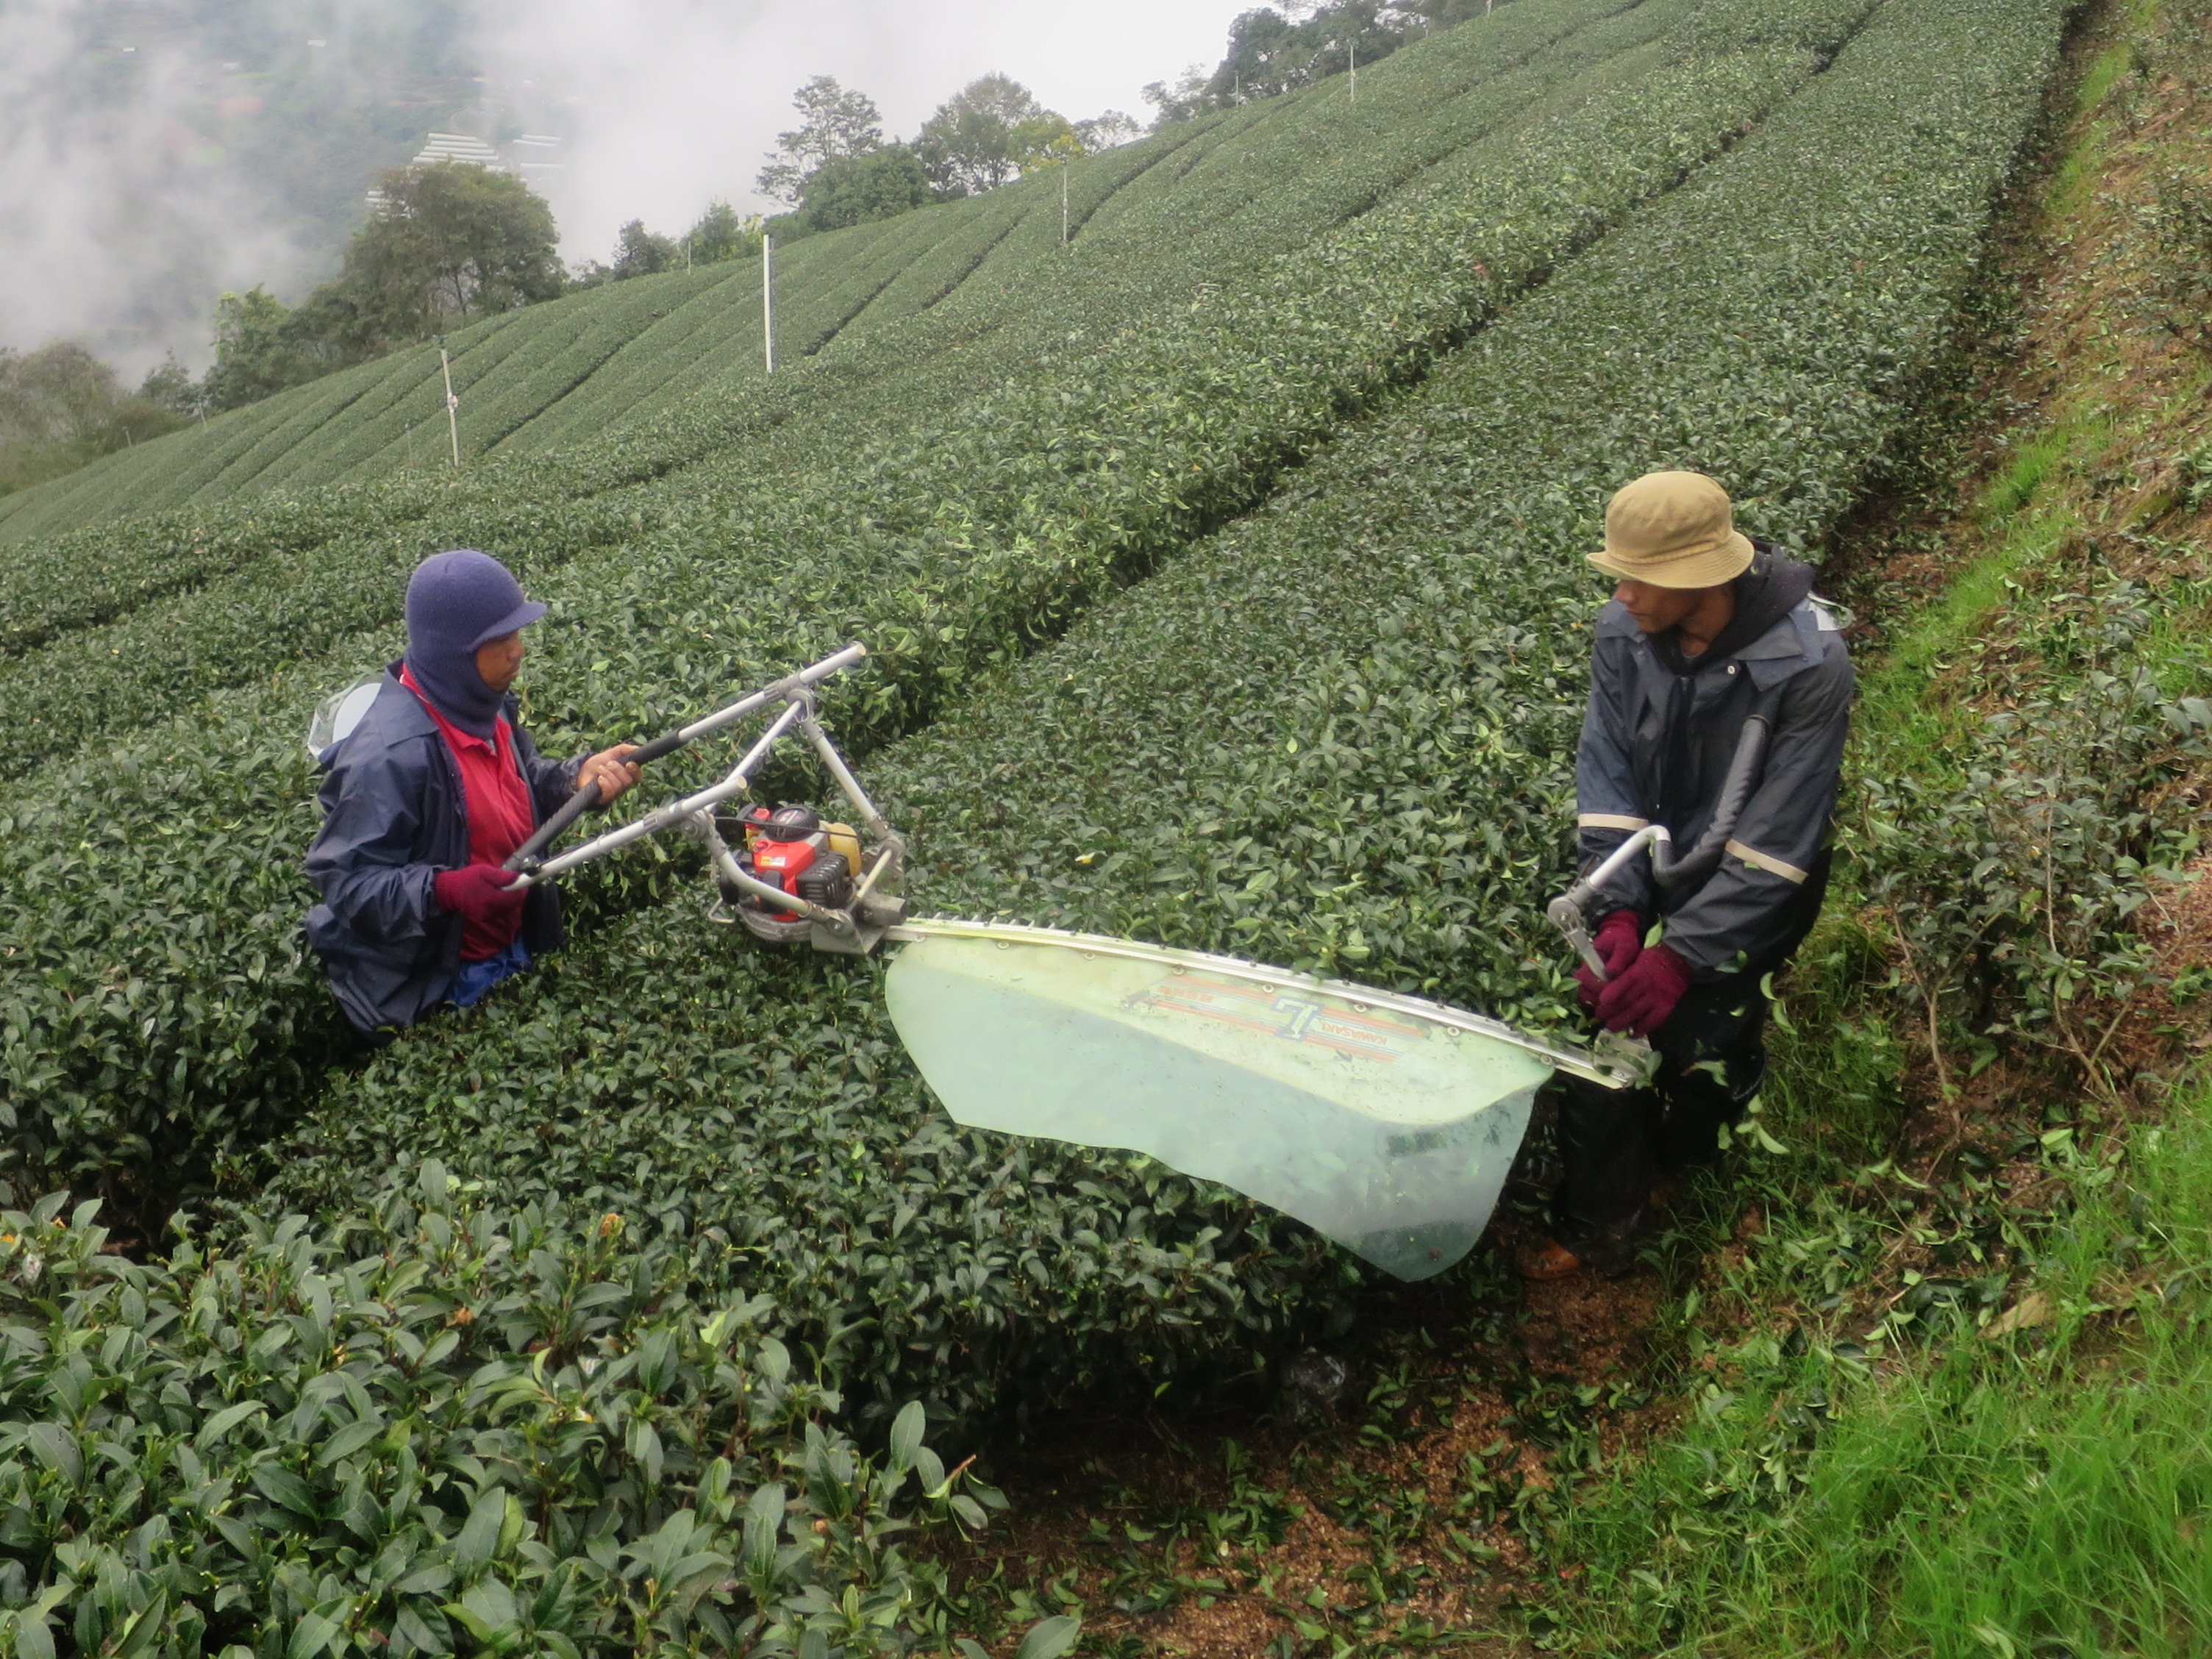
(394, 815)
(1759, 904)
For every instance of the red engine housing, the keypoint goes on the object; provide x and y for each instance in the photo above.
(781, 863)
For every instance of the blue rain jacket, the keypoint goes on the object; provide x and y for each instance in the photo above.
(1754, 908)
(394, 815)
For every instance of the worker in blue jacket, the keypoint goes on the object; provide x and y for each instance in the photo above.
(1704, 630)
(427, 798)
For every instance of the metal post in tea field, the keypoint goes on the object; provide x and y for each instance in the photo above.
(767, 302)
(1063, 201)
(1351, 49)
(452, 403)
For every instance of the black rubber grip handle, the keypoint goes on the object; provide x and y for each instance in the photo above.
(667, 744)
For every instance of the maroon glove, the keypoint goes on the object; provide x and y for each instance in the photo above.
(1641, 999)
(482, 892)
(1620, 941)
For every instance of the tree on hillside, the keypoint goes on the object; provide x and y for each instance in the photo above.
(449, 244)
(976, 139)
(452, 243)
(1108, 130)
(836, 123)
(1273, 50)
(60, 406)
(853, 189)
(639, 252)
(720, 234)
(261, 347)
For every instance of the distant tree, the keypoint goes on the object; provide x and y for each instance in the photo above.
(261, 346)
(1108, 131)
(169, 385)
(971, 143)
(60, 407)
(639, 252)
(451, 243)
(853, 189)
(835, 123)
(720, 234)
(1044, 141)
(57, 393)
(1272, 50)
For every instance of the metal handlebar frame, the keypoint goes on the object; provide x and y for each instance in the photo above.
(1569, 911)
(528, 856)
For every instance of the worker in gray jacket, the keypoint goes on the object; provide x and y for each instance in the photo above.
(1706, 629)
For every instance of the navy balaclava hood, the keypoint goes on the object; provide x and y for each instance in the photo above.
(455, 602)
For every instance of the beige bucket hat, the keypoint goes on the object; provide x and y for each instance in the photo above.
(1673, 530)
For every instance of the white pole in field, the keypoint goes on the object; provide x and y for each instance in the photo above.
(452, 405)
(1063, 201)
(767, 302)
(1351, 48)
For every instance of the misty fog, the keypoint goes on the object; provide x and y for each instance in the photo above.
(153, 153)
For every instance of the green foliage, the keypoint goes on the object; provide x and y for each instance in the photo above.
(853, 189)
(639, 252)
(61, 407)
(835, 123)
(445, 1428)
(2180, 223)
(2010, 888)
(984, 135)
(2020, 1483)
(720, 234)
(261, 347)
(980, 536)
(1269, 54)
(450, 243)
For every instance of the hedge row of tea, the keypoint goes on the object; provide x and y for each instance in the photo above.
(1230, 199)
(1203, 202)
(428, 1426)
(154, 1002)
(1339, 735)
(445, 1428)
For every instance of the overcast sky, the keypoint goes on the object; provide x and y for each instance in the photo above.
(681, 99)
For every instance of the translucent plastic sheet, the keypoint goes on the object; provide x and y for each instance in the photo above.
(1387, 1128)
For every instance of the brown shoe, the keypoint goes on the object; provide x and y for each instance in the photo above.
(1547, 1261)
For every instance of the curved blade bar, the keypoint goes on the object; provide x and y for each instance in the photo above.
(1611, 1071)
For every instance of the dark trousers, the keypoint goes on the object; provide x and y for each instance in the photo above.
(1613, 1143)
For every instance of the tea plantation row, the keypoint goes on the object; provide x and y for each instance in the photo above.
(557, 373)
(1373, 681)
(1339, 735)
(1232, 198)
(154, 1002)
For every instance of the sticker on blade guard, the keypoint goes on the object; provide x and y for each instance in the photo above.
(1272, 1012)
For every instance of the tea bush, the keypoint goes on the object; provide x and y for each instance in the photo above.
(161, 1009)
(1338, 735)
(446, 1427)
